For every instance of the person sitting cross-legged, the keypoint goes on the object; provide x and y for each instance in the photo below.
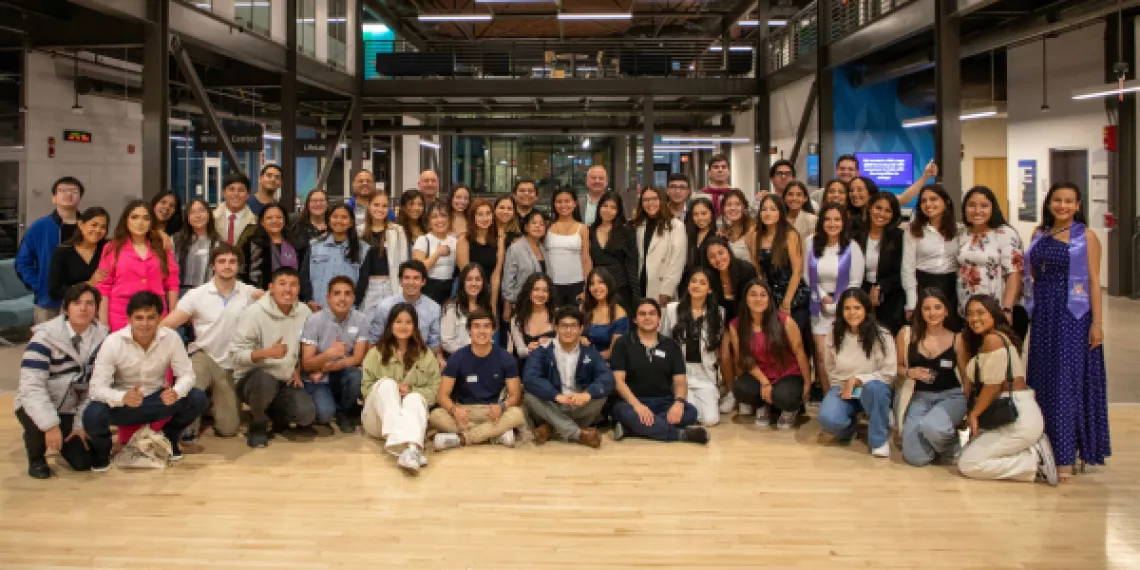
(649, 370)
(567, 384)
(53, 382)
(471, 407)
(333, 344)
(128, 382)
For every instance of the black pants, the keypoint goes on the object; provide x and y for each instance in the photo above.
(438, 290)
(1020, 321)
(566, 294)
(787, 392)
(99, 417)
(948, 284)
(73, 451)
(268, 397)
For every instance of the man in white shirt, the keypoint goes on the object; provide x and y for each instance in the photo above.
(596, 181)
(233, 215)
(128, 383)
(215, 309)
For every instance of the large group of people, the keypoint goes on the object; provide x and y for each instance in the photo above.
(475, 322)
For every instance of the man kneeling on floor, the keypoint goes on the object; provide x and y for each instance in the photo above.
(265, 352)
(128, 382)
(649, 370)
(334, 342)
(471, 410)
(53, 382)
(567, 384)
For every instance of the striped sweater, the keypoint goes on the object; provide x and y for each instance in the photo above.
(49, 369)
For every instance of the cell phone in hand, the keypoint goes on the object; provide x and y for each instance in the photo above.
(855, 392)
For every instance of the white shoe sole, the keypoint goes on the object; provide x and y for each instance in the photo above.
(1049, 465)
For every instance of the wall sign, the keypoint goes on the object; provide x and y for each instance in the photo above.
(1027, 210)
(76, 136)
(245, 137)
(314, 147)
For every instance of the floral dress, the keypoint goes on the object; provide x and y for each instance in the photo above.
(985, 261)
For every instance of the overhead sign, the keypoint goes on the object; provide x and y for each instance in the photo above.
(245, 137)
(314, 147)
(77, 136)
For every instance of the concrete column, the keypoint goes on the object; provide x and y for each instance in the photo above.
(647, 143)
(156, 101)
(948, 97)
(289, 110)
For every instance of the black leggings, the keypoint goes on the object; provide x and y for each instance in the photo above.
(73, 451)
(438, 290)
(563, 295)
(787, 392)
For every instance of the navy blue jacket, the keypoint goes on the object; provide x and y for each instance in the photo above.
(33, 259)
(541, 376)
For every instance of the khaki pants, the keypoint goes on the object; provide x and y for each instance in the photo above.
(566, 421)
(479, 429)
(402, 421)
(42, 315)
(219, 382)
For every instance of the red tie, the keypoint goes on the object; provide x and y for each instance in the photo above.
(230, 232)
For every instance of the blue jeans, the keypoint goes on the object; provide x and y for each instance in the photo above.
(931, 425)
(661, 429)
(99, 417)
(837, 416)
(337, 395)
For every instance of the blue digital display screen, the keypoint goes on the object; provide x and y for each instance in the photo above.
(887, 169)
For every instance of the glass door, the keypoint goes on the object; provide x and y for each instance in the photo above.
(212, 165)
(11, 211)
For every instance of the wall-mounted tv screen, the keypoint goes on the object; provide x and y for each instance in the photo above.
(887, 168)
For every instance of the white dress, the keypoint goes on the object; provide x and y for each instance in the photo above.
(828, 270)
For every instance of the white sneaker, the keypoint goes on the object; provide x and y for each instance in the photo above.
(507, 439)
(409, 460)
(727, 403)
(883, 451)
(787, 420)
(1046, 464)
(444, 441)
(761, 416)
(423, 459)
(745, 409)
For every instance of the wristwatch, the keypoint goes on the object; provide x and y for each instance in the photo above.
(678, 400)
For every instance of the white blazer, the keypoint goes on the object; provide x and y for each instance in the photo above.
(665, 261)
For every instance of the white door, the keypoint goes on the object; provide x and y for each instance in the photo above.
(212, 175)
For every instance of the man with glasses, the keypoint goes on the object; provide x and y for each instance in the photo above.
(525, 195)
(679, 193)
(649, 370)
(33, 259)
(596, 181)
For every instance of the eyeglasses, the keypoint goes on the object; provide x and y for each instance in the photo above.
(68, 191)
(678, 186)
(783, 173)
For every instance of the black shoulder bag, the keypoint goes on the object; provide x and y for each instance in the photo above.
(1001, 411)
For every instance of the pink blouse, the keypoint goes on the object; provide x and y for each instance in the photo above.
(131, 274)
(767, 362)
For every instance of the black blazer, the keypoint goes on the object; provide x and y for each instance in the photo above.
(619, 256)
(892, 296)
(257, 260)
(741, 273)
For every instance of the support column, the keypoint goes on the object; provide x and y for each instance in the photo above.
(948, 97)
(647, 145)
(156, 102)
(619, 170)
(446, 150)
(825, 90)
(289, 110)
(397, 153)
(1120, 256)
(762, 112)
(356, 140)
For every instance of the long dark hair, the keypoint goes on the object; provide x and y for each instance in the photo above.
(948, 226)
(807, 207)
(353, 253)
(997, 218)
(619, 219)
(775, 339)
(526, 307)
(896, 210)
(974, 340)
(154, 239)
(733, 266)
(388, 343)
(463, 302)
(823, 198)
(664, 215)
(306, 211)
(684, 326)
(589, 303)
(573, 198)
(512, 226)
(186, 235)
(696, 255)
(1047, 217)
(90, 214)
(473, 232)
(780, 255)
(869, 331)
(745, 220)
(406, 221)
(917, 321)
(261, 235)
(174, 224)
(819, 240)
(374, 238)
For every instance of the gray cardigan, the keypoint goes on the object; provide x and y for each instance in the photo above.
(519, 264)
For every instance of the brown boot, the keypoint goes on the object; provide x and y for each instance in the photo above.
(590, 438)
(542, 434)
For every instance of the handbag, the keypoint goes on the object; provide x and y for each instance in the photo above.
(1001, 411)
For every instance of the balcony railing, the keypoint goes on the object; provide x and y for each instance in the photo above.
(800, 38)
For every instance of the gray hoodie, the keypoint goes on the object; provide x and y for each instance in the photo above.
(260, 326)
(50, 366)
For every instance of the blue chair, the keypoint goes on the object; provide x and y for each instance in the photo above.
(16, 301)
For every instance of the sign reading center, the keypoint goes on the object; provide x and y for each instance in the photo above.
(244, 138)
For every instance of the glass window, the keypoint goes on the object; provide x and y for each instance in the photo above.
(492, 165)
(307, 27)
(337, 33)
(253, 14)
(207, 5)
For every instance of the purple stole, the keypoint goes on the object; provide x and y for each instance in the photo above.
(840, 283)
(1078, 293)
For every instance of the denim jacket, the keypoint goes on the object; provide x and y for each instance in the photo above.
(328, 259)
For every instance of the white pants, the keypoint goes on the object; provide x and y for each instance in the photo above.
(378, 290)
(1007, 453)
(703, 393)
(402, 422)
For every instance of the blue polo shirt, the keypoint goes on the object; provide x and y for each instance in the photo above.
(480, 380)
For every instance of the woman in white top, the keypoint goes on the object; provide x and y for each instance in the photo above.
(568, 247)
(833, 263)
(800, 211)
(991, 370)
(930, 251)
(861, 364)
(661, 244)
(437, 250)
(736, 225)
(388, 249)
(474, 293)
(697, 317)
(990, 257)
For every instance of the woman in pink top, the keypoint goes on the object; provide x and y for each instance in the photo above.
(772, 360)
(136, 260)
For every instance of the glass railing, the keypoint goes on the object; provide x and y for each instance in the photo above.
(800, 38)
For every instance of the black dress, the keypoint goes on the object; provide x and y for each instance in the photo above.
(619, 258)
(779, 278)
(486, 255)
(740, 272)
(892, 298)
(68, 268)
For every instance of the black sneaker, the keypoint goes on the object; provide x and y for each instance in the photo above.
(257, 439)
(175, 451)
(346, 425)
(695, 435)
(38, 469)
(100, 464)
(619, 431)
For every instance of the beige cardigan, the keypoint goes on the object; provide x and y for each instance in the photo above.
(665, 261)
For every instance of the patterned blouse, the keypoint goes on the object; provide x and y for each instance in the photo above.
(985, 261)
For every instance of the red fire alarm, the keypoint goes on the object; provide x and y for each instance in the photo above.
(1109, 221)
(1110, 138)
(130, 149)
(51, 147)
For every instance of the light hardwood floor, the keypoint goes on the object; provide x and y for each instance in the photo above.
(750, 499)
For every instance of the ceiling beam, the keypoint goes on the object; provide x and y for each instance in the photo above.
(623, 87)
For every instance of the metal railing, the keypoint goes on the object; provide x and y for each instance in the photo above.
(800, 38)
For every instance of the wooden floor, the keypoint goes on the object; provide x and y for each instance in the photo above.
(750, 499)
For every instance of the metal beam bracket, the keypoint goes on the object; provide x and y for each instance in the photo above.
(199, 91)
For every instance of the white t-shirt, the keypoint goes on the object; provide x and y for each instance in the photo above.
(215, 318)
(445, 265)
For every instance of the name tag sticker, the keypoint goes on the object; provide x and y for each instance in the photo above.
(947, 363)
(352, 330)
(202, 252)
(660, 353)
(472, 378)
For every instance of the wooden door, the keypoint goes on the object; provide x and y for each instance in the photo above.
(991, 171)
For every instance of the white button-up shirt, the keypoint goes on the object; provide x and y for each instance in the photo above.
(122, 364)
(567, 366)
(215, 318)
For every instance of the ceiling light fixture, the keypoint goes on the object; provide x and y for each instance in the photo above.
(706, 139)
(429, 144)
(754, 23)
(596, 16)
(731, 48)
(1106, 90)
(375, 28)
(992, 111)
(454, 17)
